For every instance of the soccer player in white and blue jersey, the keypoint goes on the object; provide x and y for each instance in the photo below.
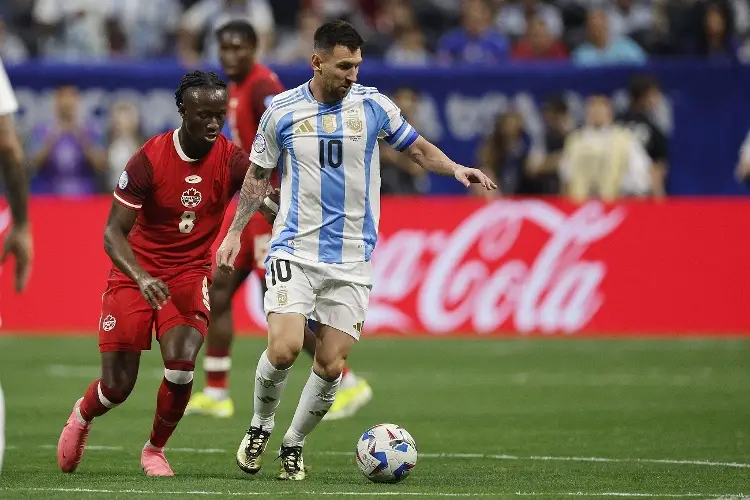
(324, 134)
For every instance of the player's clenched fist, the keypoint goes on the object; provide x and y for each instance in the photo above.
(270, 206)
(228, 251)
(155, 291)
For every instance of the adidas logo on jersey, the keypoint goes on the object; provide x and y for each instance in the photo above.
(305, 127)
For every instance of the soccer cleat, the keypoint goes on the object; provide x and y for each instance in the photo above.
(72, 441)
(349, 400)
(251, 448)
(292, 465)
(154, 463)
(202, 404)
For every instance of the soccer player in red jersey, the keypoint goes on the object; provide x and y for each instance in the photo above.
(251, 88)
(166, 213)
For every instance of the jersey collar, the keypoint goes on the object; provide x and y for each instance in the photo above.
(178, 147)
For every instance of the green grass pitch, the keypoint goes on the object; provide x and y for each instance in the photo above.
(539, 418)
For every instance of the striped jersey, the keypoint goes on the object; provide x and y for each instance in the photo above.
(330, 170)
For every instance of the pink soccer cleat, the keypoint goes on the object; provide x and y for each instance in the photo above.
(72, 441)
(154, 463)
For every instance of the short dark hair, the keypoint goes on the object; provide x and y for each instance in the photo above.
(640, 86)
(556, 104)
(193, 79)
(333, 33)
(241, 27)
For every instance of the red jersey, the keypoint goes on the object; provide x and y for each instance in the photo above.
(181, 201)
(247, 102)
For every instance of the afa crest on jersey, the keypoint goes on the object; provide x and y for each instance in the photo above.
(191, 198)
(329, 123)
(259, 144)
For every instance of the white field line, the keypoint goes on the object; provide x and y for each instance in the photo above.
(729, 496)
(532, 458)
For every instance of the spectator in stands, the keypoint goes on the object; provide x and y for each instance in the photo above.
(294, 48)
(73, 29)
(400, 175)
(408, 49)
(544, 160)
(476, 41)
(149, 27)
(504, 154)
(513, 17)
(602, 48)
(124, 137)
(603, 160)
(645, 99)
(64, 154)
(203, 18)
(715, 37)
(538, 43)
(630, 18)
(12, 49)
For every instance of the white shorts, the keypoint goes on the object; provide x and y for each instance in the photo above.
(331, 294)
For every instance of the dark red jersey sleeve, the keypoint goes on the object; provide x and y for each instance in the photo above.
(135, 181)
(239, 163)
(262, 92)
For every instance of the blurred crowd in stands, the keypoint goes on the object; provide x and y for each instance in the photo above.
(401, 32)
(605, 153)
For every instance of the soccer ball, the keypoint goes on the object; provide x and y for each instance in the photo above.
(386, 453)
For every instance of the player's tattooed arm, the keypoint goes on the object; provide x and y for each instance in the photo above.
(253, 191)
(119, 224)
(431, 158)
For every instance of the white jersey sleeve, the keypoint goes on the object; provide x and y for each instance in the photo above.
(8, 102)
(394, 129)
(266, 148)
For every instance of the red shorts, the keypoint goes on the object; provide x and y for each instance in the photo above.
(256, 239)
(127, 320)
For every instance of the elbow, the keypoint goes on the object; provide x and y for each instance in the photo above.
(11, 152)
(110, 234)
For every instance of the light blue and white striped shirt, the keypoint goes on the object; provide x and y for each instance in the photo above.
(330, 170)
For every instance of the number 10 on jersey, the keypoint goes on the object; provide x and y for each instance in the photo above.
(335, 150)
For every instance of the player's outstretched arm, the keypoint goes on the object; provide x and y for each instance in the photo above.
(254, 189)
(119, 223)
(18, 242)
(431, 158)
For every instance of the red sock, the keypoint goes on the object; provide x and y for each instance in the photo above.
(216, 364)
(344, 371)
(94, 406)
(172, 400)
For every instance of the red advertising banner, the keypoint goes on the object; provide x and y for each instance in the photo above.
(452, 266)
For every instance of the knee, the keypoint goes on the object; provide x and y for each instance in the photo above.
(117, 387)
(220, 296)
(329, 367)
(282, 352)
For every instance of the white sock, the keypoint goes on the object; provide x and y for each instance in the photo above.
(216, 393)
(349, 380)
(269, 386)
(315, 401)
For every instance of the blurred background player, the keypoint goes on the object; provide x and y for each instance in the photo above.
(167, 211)
(18, 242)
(251, 88)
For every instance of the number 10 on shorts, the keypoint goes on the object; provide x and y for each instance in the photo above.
(281, 271)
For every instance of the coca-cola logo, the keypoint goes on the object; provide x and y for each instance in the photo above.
(464, 279)
(484, 275)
